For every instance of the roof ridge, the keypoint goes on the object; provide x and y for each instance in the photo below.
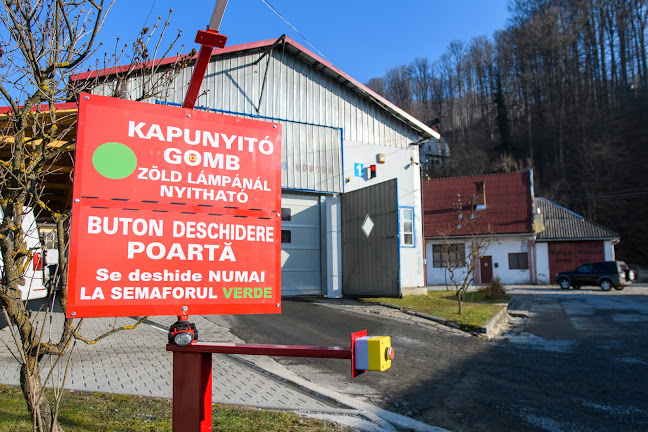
(478, 175)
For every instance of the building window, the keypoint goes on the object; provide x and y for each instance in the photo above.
(454, 254)
(407, 227)
(286, 236)
(518, 261)
(50, 239)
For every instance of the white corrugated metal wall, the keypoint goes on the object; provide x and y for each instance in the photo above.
(295, 92)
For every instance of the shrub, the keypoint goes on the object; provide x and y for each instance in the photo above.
(495, 290)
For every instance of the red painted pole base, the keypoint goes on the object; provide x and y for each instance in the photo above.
(192, 392)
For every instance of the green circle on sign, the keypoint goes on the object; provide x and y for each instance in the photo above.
(114, 160)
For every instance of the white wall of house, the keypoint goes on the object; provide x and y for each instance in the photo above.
(608, 250)
(499, 249)
(542, 262)
(398, 165)
(439, 275)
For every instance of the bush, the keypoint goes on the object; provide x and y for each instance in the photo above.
(495, 290)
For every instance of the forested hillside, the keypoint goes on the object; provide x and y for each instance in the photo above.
(564, 90)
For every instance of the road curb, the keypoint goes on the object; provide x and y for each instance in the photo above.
(519, 308)
(412, 312)
(490, 329)
(494, 325)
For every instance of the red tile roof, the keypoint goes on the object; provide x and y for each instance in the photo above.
(508, 205)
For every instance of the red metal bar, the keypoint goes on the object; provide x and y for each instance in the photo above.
(208, 40)
(265, 349)
(192, 392)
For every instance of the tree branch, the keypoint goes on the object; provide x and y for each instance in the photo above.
(7, 96)
(115, 330)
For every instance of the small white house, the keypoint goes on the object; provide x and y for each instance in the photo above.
(494, 209)
(528, 239)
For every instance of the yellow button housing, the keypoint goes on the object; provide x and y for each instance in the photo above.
(379, 358)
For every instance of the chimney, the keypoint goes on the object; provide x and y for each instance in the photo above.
(480, 194)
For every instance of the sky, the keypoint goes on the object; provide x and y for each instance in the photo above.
(363, 38)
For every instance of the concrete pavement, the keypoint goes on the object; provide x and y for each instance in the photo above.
(136, 362)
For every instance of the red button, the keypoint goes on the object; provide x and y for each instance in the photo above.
(389, 353)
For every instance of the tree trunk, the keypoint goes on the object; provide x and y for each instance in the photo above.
(30, 381)
(39, 409)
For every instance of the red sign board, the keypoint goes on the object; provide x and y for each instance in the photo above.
(176, 212)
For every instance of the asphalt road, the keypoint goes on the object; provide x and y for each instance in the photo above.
(579, 362)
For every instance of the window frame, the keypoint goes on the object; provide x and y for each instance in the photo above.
(517, 261)
(401, 227)
(438, 257)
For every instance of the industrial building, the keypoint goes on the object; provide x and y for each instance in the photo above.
(351, 186)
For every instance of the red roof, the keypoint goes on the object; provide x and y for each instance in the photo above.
(44, 107)
(508, 207)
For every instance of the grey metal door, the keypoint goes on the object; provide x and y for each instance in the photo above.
(370, 256)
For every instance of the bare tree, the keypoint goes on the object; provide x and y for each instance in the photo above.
(377, 85)
(43, 44)
(398, 86)
(462, 247)
(421, 73)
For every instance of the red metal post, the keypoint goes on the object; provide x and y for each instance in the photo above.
(355, 372)
(192, 371)
(192, 392)
(208, 40)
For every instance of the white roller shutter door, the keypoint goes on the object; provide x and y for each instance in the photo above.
(300, 245)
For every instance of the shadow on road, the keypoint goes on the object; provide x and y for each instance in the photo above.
(595, 382)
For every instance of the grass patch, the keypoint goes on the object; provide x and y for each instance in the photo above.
(477, 309)
(111, 412)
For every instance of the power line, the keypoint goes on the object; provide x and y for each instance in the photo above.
(273, 9)
(627, 193)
